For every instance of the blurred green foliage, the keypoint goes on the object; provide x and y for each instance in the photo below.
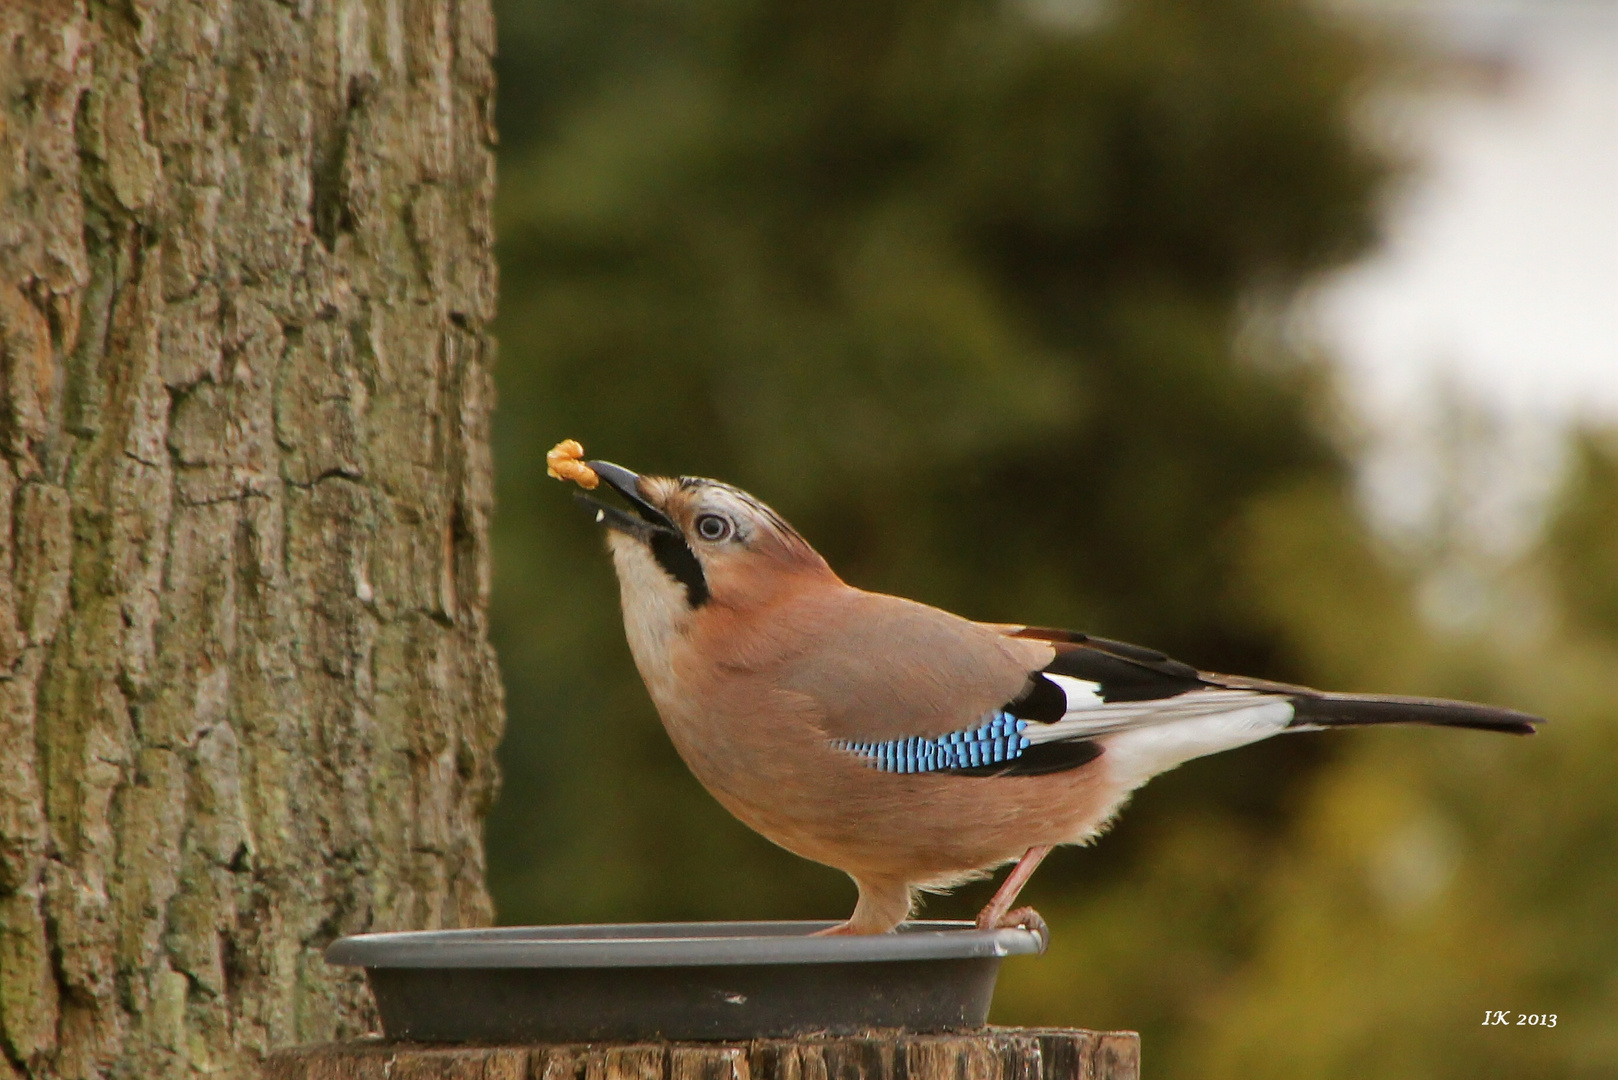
(981, 297)
(1582, 545)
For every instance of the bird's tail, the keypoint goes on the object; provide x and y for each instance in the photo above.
(1355, 710)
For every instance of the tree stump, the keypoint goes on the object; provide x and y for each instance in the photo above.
(993, 1054)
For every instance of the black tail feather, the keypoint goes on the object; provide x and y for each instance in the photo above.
(1333, 710)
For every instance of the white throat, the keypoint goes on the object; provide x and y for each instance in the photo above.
(655, 612)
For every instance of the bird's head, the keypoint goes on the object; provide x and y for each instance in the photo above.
(684, 543)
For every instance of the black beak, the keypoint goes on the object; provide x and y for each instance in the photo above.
(648, 519)
(651, 526)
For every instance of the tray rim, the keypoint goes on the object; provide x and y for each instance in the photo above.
(675, 945)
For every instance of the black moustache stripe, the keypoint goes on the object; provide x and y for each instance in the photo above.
(680, 563)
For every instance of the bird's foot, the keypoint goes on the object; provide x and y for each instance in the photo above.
(1024, 918)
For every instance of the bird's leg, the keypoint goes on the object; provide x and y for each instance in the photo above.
(997, 914)
(882, 906)
(842, 929)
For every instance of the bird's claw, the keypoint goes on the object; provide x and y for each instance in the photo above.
(1023, 918)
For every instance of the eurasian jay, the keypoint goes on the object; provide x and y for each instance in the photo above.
(911, 748)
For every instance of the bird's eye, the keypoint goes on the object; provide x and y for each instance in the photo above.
(712, 527)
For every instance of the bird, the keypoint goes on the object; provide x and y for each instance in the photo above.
(911, 748)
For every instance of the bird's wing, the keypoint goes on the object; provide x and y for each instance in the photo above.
(1095, 694)
(876, 668)
(1081, 691)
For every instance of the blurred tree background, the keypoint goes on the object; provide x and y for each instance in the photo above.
(988, 299)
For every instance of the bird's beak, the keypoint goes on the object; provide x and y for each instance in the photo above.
(647, 519)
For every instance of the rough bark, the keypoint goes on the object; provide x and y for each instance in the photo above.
(246, 698)
(996, 1054)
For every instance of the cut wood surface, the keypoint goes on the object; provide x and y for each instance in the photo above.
(994, 1054)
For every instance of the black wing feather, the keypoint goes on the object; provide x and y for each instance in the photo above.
(1121, 677)
(1041, 760)
(1043, 701)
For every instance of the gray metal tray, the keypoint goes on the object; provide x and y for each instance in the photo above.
(678, 980)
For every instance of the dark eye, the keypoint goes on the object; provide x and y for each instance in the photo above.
(712, 527)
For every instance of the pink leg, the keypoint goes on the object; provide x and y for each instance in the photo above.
(998, 913)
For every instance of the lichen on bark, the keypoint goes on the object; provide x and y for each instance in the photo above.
(247, 702)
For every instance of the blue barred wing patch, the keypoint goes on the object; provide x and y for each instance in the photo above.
(1000, 739)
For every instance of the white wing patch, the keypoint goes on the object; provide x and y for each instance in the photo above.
(1081, 694)
(1144, 738)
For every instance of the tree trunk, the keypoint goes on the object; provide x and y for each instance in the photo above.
(247, 702)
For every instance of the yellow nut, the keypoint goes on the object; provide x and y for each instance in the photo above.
(563, 462)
